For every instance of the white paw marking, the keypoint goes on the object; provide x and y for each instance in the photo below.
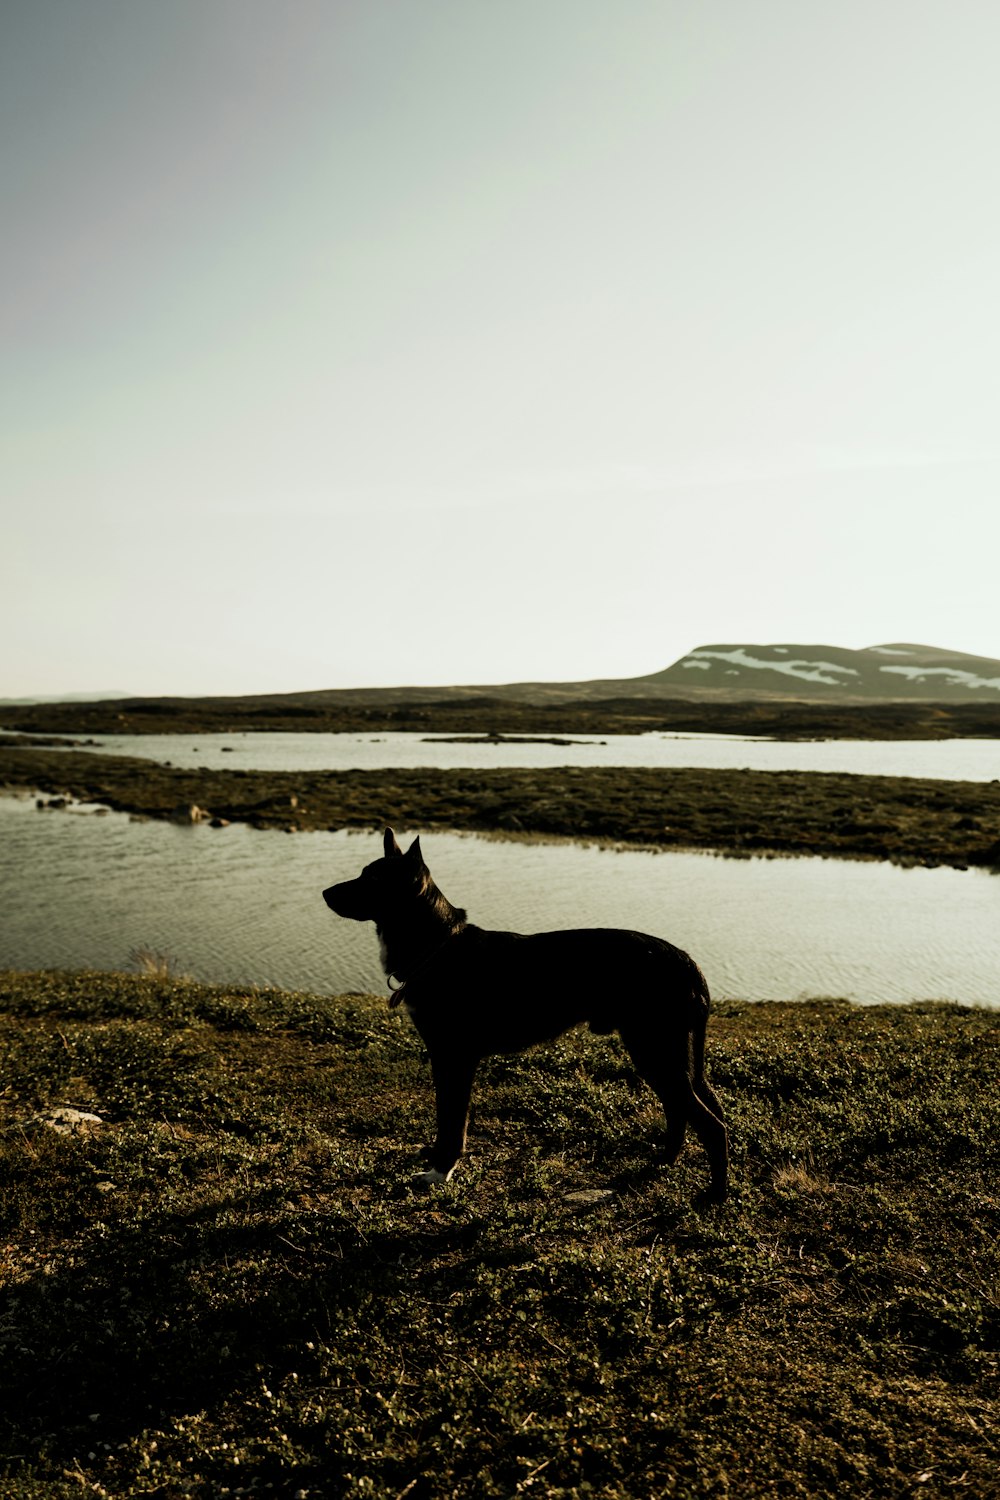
(432, 1175)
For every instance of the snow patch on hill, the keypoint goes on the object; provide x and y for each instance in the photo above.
(806, 671)
(953, 675)
(896, 670)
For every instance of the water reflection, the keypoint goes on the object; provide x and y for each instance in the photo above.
(243, 905)
(957, 760)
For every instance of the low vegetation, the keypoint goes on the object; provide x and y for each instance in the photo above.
(904, 819)
(512, 711)
(225, 1284)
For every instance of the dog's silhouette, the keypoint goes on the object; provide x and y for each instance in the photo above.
(471, 993)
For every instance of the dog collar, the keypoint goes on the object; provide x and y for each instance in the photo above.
(396, 996)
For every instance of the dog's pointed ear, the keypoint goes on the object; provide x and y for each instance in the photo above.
(389, 844)
(414, 852)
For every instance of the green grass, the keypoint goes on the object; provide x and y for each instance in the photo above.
(231, 1284)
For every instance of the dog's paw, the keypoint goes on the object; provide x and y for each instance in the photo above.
(711, 1197)
(432, 1176)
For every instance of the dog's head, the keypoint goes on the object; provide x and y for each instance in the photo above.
(383, 885)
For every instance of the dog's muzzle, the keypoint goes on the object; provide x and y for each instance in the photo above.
(343, 899)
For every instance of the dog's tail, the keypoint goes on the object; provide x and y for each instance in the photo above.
(697, 1055)
(701, 1005)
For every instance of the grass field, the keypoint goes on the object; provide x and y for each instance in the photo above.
(229, 1286)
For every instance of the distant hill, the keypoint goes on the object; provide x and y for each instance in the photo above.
(898, 671)
(812, 677)
(103, 697)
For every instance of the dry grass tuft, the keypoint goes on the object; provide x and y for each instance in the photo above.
(153, 964)
(801, 1177)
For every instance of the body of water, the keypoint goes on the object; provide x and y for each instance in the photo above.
(951, 760)
(80, 889)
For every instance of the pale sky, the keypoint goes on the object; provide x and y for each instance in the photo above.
(360, 342)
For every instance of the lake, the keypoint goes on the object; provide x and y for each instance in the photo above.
(950, 760)
(82, 888)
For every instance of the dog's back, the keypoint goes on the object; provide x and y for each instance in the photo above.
(505, 991)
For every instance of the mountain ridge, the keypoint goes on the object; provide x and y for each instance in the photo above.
(882, 673)
(897, 672)
(918, 673)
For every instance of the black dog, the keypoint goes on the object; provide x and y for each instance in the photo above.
(472, 993)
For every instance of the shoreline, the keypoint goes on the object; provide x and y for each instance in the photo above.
(508, 717)
(904, 820)
(159, 972)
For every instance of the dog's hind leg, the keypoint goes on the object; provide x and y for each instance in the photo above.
(702, 1087)
(453, 1076)
(713, 1136)
(709, 1098)
(676, 1129)
(664, 1064)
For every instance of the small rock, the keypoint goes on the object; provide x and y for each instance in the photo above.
(192, 813)
(69, 1121)
(588, 1197)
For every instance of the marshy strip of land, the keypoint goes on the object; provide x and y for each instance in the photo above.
(412, 711)
(225, 1281)
(907, 820)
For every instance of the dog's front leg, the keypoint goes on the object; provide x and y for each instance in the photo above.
(453, 1075)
